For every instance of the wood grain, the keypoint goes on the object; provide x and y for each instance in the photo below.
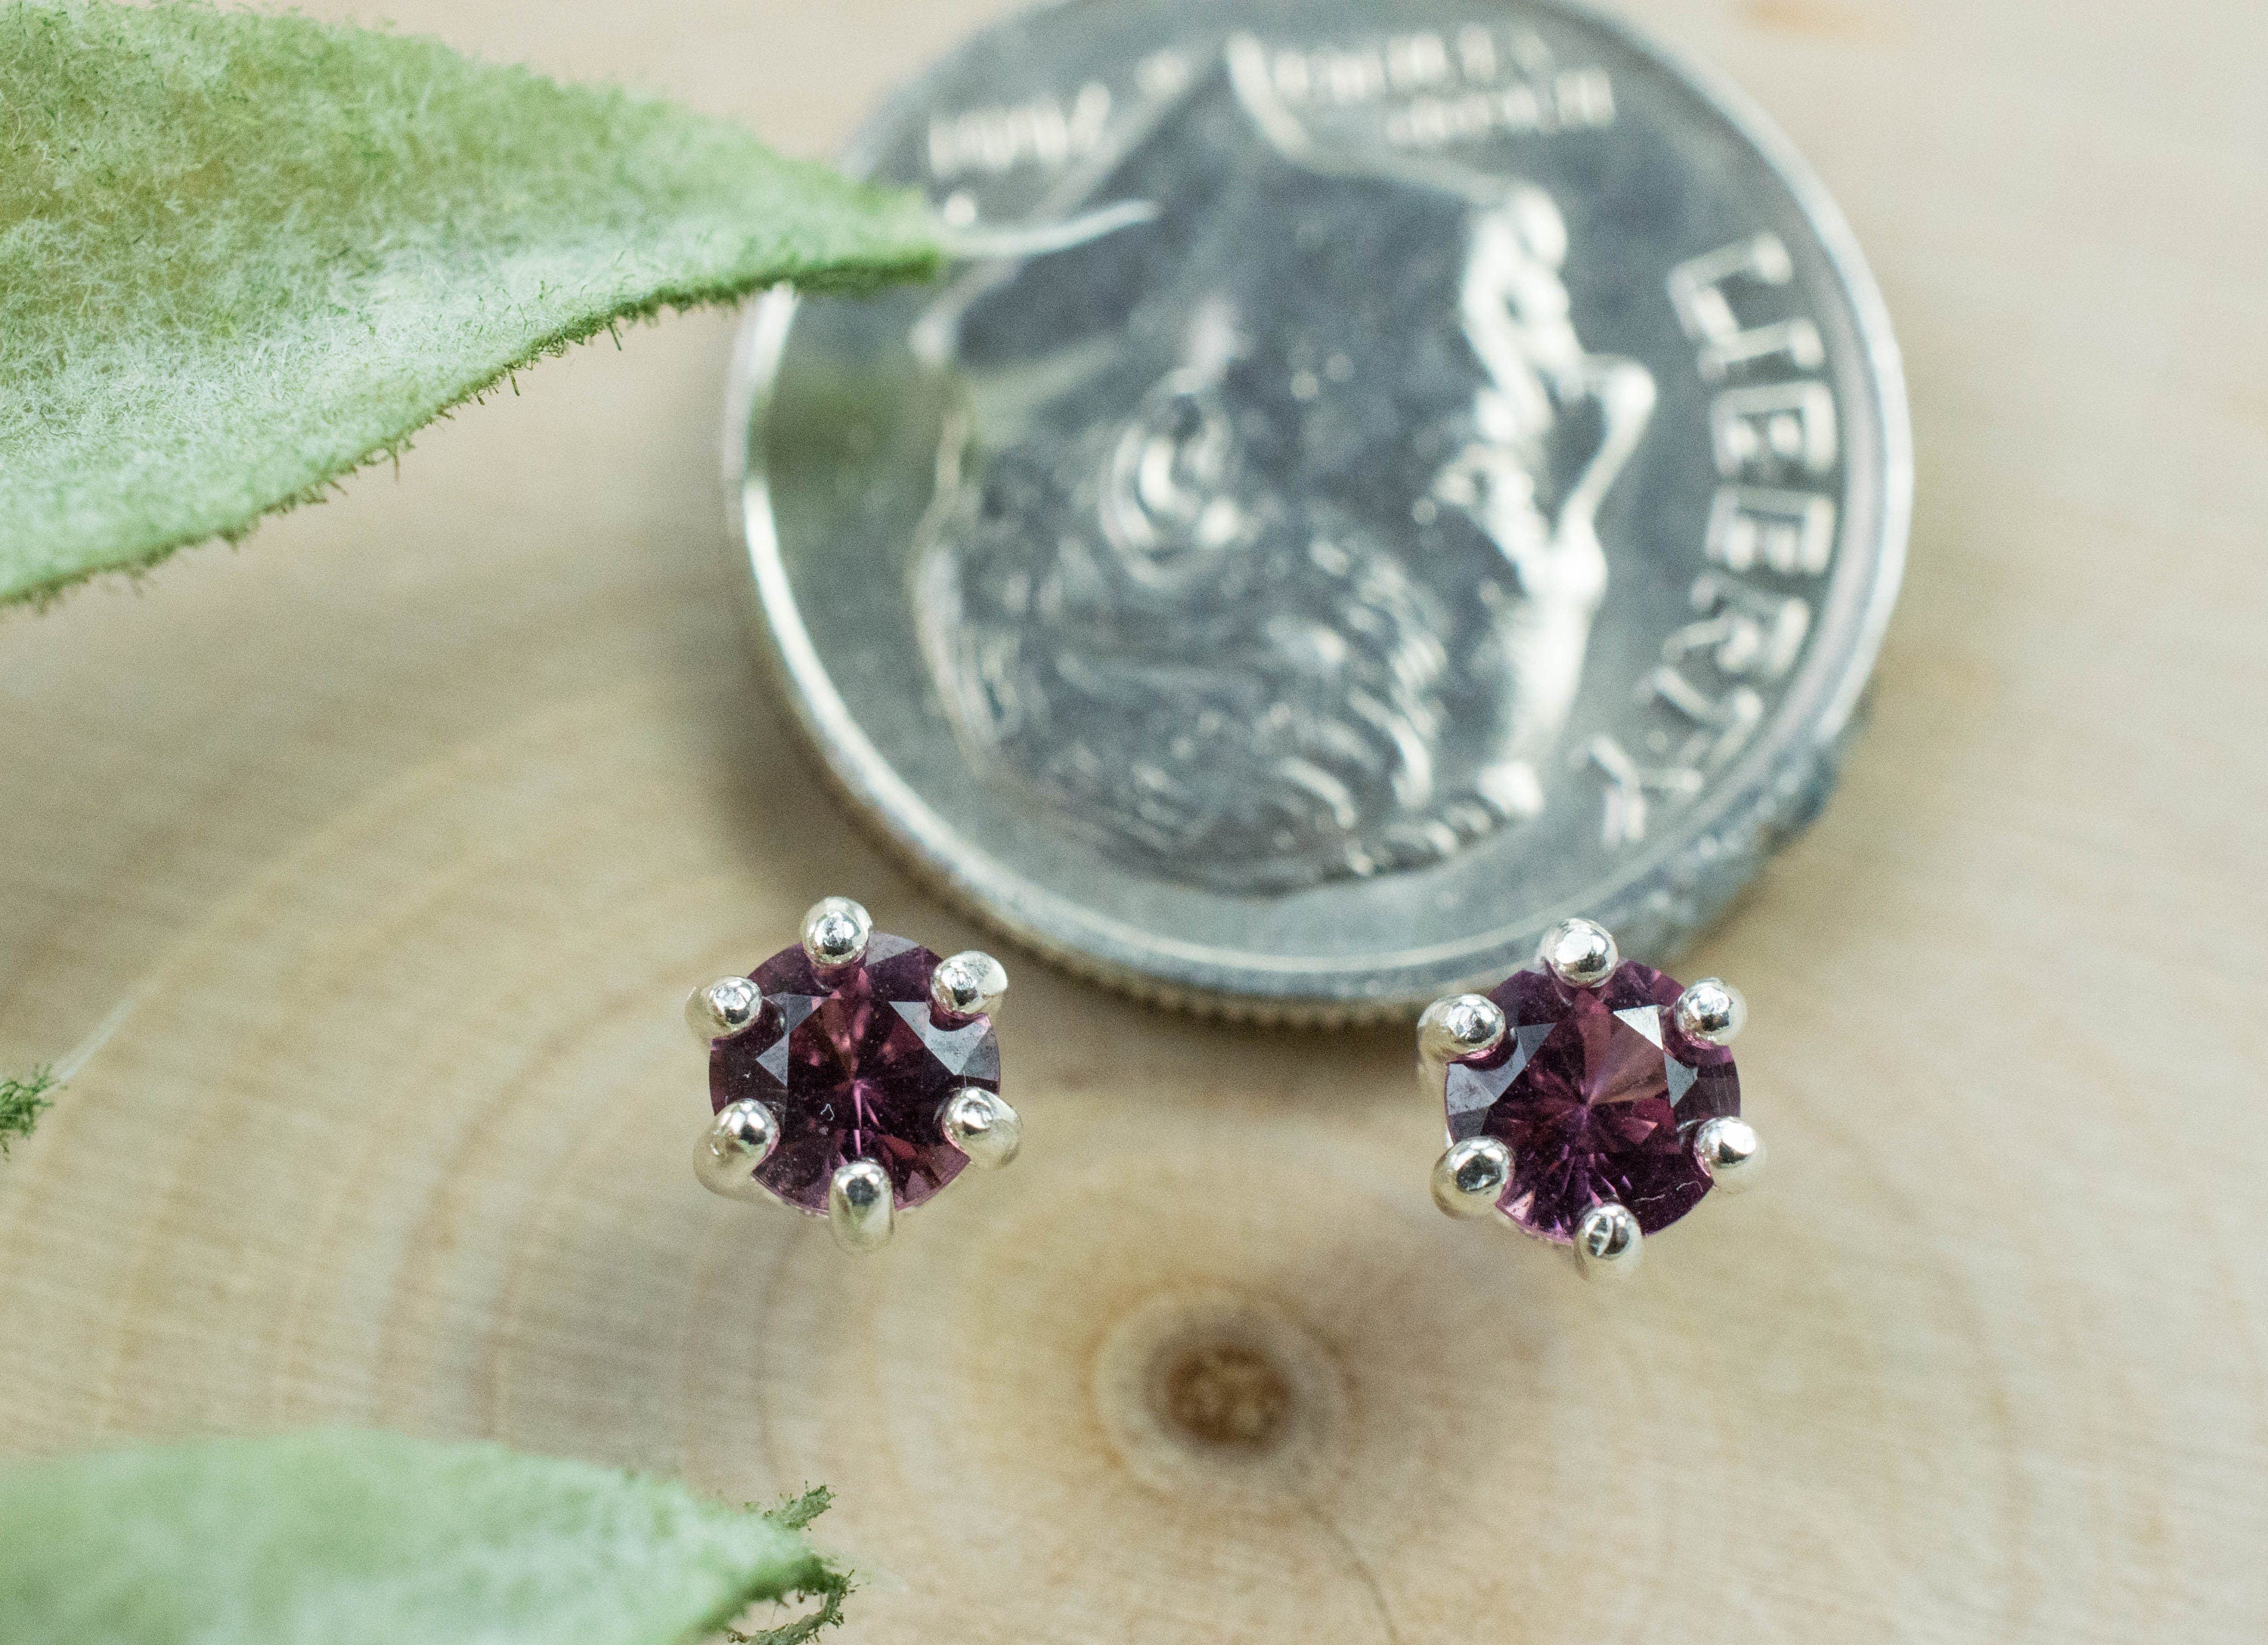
(401, 830)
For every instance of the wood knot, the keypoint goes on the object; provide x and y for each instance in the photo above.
(1211, 1391)
(1224, 1393)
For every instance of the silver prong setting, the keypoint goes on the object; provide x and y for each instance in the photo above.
(729, 1006)
(1730, 1151)
(970, 984)
(861, 1210)
(1459, 1027)
(836, 933)
(983, 1126)
(1580, 953)
(1470, 1177)
(741, 1138)
(1456, 1028)
(1608, 1243)
(1710, 1012)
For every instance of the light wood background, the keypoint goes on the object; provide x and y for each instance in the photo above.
(399, 833)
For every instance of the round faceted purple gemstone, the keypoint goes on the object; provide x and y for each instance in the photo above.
(1597, 1096)
(855, 1066)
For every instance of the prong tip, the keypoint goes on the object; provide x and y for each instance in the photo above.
(1459, 1027)
(1580, 953)
(968, 985)
(1470, 1177)
(860, 1208)
(1731, 1152)
(983, 1126)
(723, 1008)
(835, 932)
(1608, 1243)
(740, 1139)
(1710, 1012)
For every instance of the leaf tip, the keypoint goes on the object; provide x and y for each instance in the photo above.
(23, 1100)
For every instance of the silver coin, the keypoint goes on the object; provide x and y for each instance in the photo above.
(1475, 497)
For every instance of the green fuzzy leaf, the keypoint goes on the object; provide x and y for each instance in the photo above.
(22, 1102)
(361, 1538)
(242, 255)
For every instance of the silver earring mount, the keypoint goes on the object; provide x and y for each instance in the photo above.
(1580, 953)
(968, 984)
(1608, 1242)
(1589, 1101)
(861, 1209)
(1472, 1176)
(825, 1117)
(836, 933)
(1711, 1012)
(737, 1141)
(723, 1008)
(982, 1126)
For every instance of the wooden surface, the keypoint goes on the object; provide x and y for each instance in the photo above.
(400, 831)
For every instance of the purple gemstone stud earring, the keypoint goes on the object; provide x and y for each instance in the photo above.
(852, 1075)
(1591, 1101)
